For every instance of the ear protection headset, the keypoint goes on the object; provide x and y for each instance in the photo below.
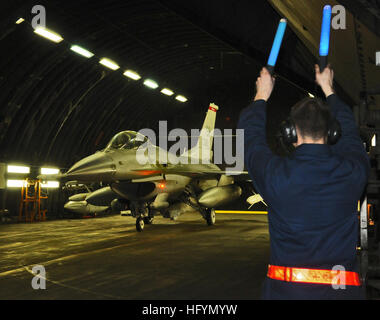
(288, 131)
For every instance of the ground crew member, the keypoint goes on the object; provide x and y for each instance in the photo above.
(312, 195)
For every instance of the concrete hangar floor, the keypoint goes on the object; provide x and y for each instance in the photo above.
(105, 258)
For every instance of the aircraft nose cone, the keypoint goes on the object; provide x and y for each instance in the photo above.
(97, 167)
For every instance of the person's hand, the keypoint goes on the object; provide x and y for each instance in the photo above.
(264, 85)
(325, 79)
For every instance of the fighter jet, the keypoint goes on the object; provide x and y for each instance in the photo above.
(155, 188)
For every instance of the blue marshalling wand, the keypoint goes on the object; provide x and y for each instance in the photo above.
(325, 38)
(276, 45)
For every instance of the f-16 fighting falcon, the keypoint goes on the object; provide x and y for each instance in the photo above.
(155, 187)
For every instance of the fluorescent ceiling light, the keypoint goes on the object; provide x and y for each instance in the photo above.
(18, 169)
(310, 95)
(151, 84)
(373, 140)
(109, 64)
(50, 184)
(181, 98)
(48, 34)
(15, 183)
(20, 20)
(131, 74)
(49, 171)
(167, 91)
(82, 51)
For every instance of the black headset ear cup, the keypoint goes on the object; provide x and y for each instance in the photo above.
(288, 131)
(334, 132)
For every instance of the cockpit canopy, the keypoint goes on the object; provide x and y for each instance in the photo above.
(126, 140)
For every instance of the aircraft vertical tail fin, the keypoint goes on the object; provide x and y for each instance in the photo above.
(203, 149)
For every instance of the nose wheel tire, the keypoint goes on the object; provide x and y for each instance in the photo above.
(210, 217)
(140, 224)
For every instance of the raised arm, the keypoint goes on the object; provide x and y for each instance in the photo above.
(349, 145)
(253, 120)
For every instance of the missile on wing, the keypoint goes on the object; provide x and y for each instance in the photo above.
(84, 208)
(78, 197)
(91, 202)
(218, 196)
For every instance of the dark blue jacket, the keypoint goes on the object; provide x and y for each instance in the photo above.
(312, 199)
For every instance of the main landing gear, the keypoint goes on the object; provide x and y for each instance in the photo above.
(210, 216)
(190, 199)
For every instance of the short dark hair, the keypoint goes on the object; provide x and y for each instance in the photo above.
(311, 116)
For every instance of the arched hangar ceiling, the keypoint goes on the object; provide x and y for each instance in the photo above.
(57, 107)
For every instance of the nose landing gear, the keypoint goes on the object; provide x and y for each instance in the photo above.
(140, 224)
(143, 214)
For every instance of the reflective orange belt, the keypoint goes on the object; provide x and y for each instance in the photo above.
(314, 276)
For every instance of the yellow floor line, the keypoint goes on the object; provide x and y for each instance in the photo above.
(241, 212)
